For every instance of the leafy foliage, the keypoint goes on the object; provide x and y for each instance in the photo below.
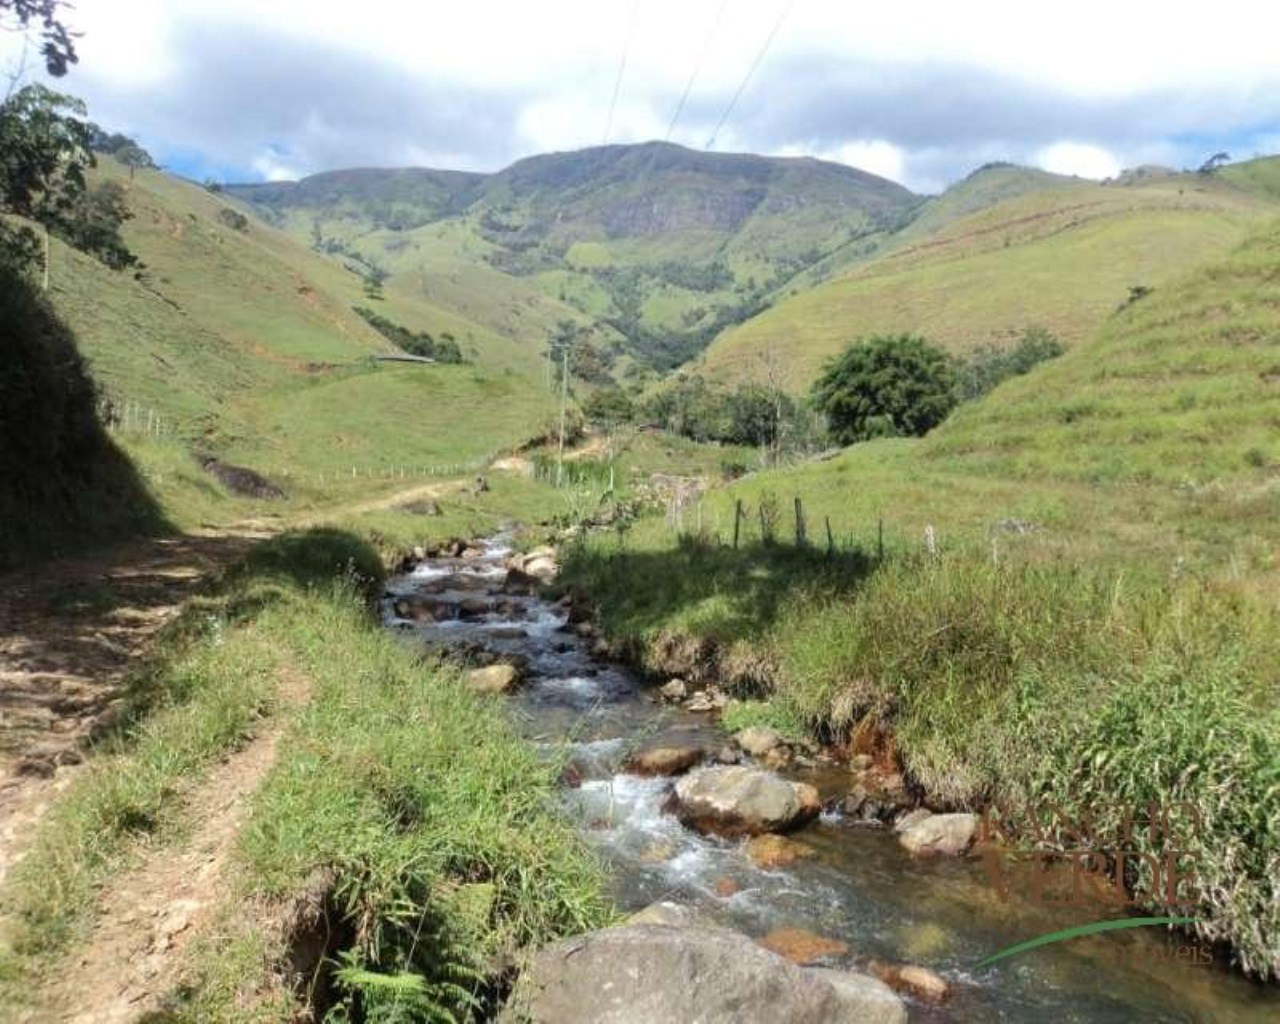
(57, 46)
(750, 414)
(44, 153)
(984, 368)
(420, 343)
(233, 219)
(609, 407)
(93, 225)
(885, 386)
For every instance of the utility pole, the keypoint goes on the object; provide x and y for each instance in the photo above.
(564, 402)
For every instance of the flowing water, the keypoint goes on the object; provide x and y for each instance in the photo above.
(860, 888)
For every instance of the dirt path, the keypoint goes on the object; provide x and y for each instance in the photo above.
(69, 632)
(147, 917)
(421, 492)
(71, 629)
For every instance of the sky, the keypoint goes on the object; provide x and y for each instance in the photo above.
(921, 93)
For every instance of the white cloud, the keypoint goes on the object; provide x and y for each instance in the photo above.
(1079, 158)
(271, 167)
(915, 93)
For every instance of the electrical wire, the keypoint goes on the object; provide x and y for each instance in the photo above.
(697, 68)
(622, 67)
(750, 72)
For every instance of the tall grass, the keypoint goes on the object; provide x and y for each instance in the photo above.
(1019, 685)
(437, 821)
(433, 824)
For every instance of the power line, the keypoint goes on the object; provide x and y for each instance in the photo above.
(697, 68)
(751, 72)
(622, 67)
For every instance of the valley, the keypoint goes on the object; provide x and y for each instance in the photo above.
(250, 734)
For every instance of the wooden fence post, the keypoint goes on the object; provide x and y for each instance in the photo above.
(801, 535)
(831, 541)
(880, 541)
(737, 522)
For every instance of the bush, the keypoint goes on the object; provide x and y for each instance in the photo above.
(443, 350)
(233, 219)
(750, 414)
(986, 367)
(886, 386)
(609, 407)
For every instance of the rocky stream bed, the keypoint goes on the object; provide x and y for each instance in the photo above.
(767, 883)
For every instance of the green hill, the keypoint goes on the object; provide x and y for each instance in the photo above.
(658, 245)
(245, 346)
(1156, 441)
(1182, 387)
(1062, 257)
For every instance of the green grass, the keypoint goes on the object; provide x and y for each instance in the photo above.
(1178, 388)
(1013, 684)
(435, 825)
(245, 345)
(1060, 258)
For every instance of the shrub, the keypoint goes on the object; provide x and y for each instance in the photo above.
(886, 385)
(986, 367)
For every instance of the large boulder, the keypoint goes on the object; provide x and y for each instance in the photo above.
(663, 760)
(494, 679)
(641, 974)
(866, 1000)
(947, 835)
(758, 740)
(540, 563)
(736, 800)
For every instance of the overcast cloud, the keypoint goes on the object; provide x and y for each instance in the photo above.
(921, 93)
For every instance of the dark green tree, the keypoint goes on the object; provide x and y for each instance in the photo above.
(44, 154)
(609, 407)
(985, 367)
(135, 158)
(57, 45)
(92, 225)
(888, 385)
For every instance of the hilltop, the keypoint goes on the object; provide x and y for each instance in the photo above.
(236, 342)
(660, 245)
(1003, 250)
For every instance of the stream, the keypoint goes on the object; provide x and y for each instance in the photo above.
(860, 888)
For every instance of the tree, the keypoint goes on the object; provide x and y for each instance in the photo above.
(886, 386)
(1214, 162)
(609, 407)
(44, 154)
(93, 225)
(134, 157)
(984, 368)
(57, 46)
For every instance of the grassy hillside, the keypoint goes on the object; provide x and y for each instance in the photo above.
(1182, 387)
(63, 482)
(1065, 596)
(662, 244)
(245, 345)
(1062, 257)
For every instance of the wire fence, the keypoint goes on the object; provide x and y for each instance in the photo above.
(139, 420)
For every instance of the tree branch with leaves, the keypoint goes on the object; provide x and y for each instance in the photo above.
(57, 41)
